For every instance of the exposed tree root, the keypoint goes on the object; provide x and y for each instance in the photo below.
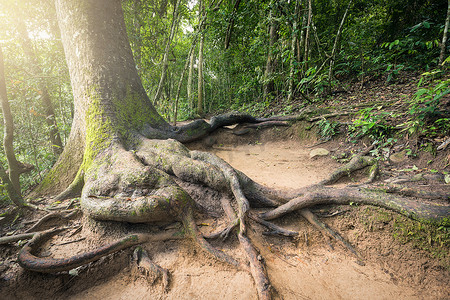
(18, 237)
(138, 186)
(53, 215)
(145, 264)
(356, 163)
(316, 195)
(257, 268)
(274, 229)
(52, 265)
(441, 192)
(327, 231)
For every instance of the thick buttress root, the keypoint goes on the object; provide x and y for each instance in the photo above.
(139, 187)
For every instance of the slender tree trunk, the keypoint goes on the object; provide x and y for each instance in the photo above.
(308, 25)
(444, 37)
(301, 40)
(293, 43)
(12, 181)
(316, 38)
(13, 195)
(180, 82)
(269, 85)
(231, 24)
(189, 82)
(200, 65)
(336, 43)
(55, 138)
(165, 63)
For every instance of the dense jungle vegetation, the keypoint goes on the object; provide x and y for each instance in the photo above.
(199, 58)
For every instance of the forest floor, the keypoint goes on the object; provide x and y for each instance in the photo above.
(398, 262)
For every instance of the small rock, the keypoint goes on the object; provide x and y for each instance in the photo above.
(447, 178)
(398, 157)
(318, 152)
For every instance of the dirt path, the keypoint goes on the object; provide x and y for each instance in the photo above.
(304, 268)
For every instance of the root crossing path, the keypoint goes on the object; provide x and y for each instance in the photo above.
(303, 267)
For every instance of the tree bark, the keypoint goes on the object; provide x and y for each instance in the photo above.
(12, 181)
(336, 43)
(231, 24)
(200, 65)
(165, 63)
(292, 62)
(189, 82)
(137, 51)
(55, 138)
(308, 25)
(444, 36)
(269, 83)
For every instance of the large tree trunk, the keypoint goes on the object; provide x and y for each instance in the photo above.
(109, 99)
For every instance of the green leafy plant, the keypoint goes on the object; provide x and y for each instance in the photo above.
(327, 129)
(427, 117)
(393, 70)
(373, 123)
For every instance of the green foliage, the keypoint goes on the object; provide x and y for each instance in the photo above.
(328, 129)
(393, 71)
(314, 81)
(430, 238)
(372, 123)
(31, 136)
(419, 47)
(427, 116)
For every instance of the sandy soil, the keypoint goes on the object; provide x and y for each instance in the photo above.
(301, 268)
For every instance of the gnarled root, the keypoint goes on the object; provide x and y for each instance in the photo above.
(356, 163)
(363, 195)
(31, 262)
(145, 264)
(328, 232)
